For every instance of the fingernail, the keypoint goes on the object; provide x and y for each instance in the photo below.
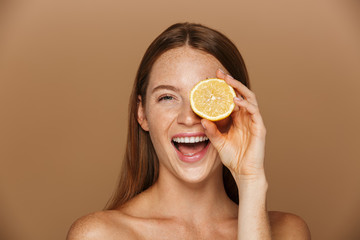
(203, 125)
(230, 76)
(238, 99)
(221, 71)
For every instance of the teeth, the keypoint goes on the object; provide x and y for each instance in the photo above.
(190, 154)
(190, 139)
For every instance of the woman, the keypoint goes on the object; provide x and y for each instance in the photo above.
(211, 189)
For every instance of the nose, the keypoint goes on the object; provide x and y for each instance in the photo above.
(187, 116)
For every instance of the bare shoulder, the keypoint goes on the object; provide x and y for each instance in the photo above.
(288, 226)
(100, 225)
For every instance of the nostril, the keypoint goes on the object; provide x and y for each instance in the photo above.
(188, 117)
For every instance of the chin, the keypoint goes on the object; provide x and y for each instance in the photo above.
(201, 173)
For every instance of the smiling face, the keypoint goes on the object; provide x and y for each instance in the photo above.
(175, 130)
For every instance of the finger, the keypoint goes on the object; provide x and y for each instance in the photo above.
(241, 88)
(252, 109)
(237, 85)
(220, 74)
(214, 135)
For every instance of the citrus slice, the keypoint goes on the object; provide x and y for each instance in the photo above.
(212, 99)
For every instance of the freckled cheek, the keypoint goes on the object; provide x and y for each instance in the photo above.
(161, 119)
(160, 123)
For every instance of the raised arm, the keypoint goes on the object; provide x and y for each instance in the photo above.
(241, 149)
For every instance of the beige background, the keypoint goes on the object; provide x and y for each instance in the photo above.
(66, 69)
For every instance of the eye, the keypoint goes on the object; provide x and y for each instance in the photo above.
(165, 98)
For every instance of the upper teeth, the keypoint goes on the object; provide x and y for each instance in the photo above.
(190, 139)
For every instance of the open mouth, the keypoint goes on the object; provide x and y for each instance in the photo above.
(190, 146)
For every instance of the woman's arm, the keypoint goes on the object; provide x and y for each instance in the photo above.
(253, 220)
(242, 150)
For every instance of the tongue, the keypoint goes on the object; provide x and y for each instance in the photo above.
(191, 148)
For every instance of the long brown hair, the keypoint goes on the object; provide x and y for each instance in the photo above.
(140, 167)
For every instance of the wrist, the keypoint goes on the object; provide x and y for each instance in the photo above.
(253, 189)
(250, 181)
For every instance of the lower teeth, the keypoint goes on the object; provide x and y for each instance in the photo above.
(189, 154)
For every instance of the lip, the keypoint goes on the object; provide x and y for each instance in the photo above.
(197, 156)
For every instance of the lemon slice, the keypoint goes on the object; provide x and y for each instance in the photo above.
(212, 99)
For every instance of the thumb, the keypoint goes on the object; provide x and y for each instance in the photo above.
(214, 135)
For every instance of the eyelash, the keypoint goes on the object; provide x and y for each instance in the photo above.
(165, 98)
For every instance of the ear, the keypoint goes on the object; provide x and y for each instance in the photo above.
(141, 116)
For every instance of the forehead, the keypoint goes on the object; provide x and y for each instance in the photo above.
(183, 64)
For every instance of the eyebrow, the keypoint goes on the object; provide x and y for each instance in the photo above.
(168, 87)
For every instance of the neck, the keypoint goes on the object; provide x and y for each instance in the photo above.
(192, 201)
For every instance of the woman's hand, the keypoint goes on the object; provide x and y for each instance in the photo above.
(242, 147)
